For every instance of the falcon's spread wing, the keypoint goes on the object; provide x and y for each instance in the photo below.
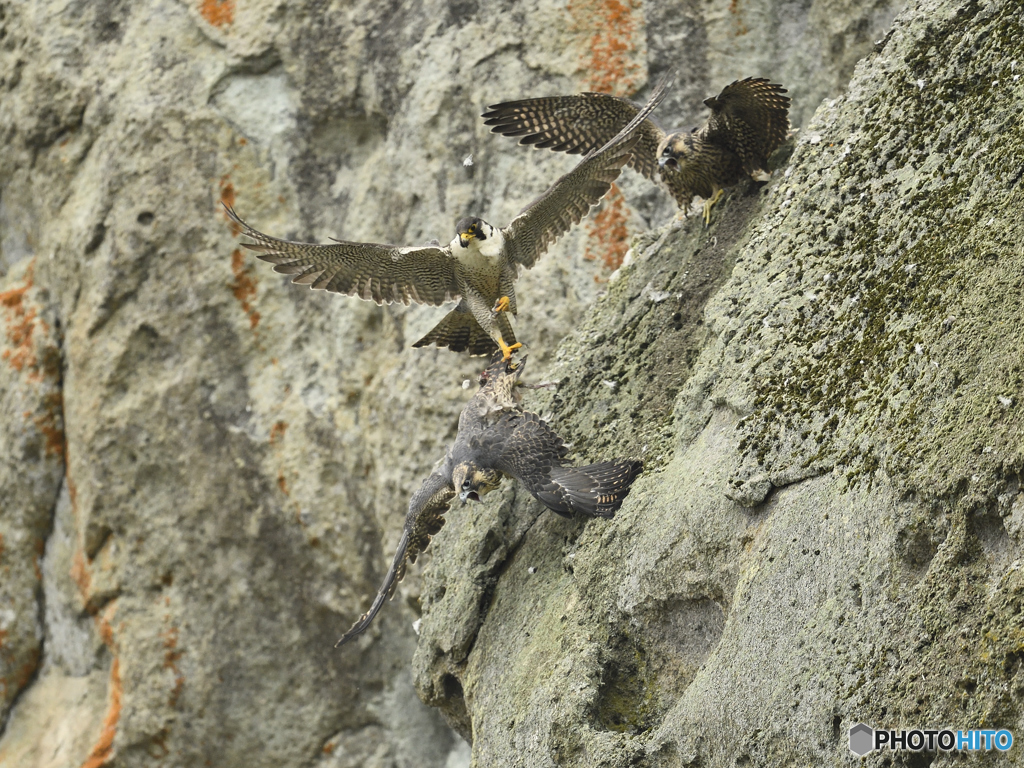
(571, 197)
(380, 273)
(751, 118)
(533, 453)
(596, 489)
(425, 518)
(577, 125)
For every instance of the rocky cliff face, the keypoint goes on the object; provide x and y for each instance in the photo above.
(204, 469)
(831, 530)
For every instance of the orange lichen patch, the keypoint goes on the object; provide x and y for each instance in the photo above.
(244, 287)
(277, 431)
(612, 30)
(218, 13)
(160, 742)
(23, 674)
(48, 424)
(734, 9)
(72, 492)
(37, 563)
(608, 232)
(227, 197)
(80, 574)
(227, 192)
(329, 747)
(105, 627)
(19, 323)
(80, 571)
(171, 654)
(171, 657)
(102, 750)
(282, 483)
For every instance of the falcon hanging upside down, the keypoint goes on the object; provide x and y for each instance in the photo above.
(497, 439)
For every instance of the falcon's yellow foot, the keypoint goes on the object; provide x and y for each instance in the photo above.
(501, 305)
(710, 202)
(506, 350)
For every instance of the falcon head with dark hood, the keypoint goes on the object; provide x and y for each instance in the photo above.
(473, 482)
(472, 229)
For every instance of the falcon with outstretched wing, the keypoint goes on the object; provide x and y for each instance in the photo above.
(749, 120)
(498, 439)
(478, 268)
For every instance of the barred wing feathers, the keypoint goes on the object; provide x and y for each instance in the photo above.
(571, 197)
(384, 274)
(576, 125)
(424, 519)
(751, 118)
(533, 454)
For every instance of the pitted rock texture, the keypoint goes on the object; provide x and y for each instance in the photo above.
(831, 530)
(204, 469)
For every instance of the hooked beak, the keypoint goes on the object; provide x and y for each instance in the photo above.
(464, 238)
(472, 495)
(667, 162)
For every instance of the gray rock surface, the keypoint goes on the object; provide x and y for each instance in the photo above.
(203, 469)
(831, 533)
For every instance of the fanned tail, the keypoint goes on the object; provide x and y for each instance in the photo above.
(459, 331)
(597, 490)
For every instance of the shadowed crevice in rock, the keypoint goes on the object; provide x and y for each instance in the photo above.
(642, 674)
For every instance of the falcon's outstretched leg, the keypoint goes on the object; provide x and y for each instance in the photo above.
(506, 350)
(710, 202)
(501, 305)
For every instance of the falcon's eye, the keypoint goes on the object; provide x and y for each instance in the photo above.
(467, 485)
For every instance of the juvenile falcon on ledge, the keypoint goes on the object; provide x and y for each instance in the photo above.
(749, 120)
(478, 268)
(497, 438)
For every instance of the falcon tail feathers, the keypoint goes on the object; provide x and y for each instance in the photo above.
(459, 331)
(597, 490)
(386, 588)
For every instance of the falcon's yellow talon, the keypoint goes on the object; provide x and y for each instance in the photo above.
(501, 305)
(506, 350)
(710, 202)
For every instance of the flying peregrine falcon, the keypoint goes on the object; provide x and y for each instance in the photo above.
(478, 268)
(497, 438)
(749, 120)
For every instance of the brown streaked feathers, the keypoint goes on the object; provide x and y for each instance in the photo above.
(749, 120)
(496, 439)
